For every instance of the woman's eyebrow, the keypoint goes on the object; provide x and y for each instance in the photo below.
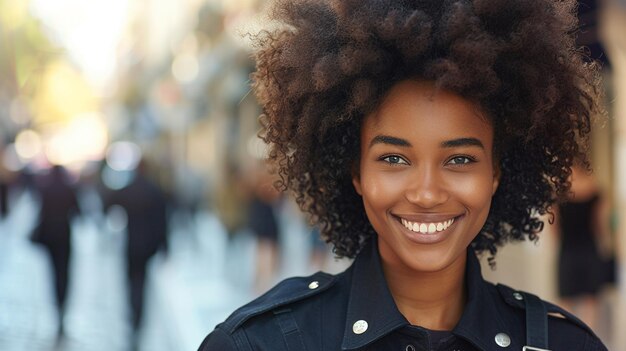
(389, 140)
(462, 142)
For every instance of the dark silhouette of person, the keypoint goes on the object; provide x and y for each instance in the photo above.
(5, 185)
(146, 207)
(4, 191)
(4, 202)
(584, 227)
(58, 205)
(264, 225)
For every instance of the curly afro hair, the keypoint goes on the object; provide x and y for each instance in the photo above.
(328, 64)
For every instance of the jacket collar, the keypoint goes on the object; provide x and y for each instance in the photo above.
(481, 320)
(370, 300)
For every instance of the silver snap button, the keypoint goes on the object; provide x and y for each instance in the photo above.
(409, 348)
(518, 296)
(503, 340)
(314, 285)
(359, 327)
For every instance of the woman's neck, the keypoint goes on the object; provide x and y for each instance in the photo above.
(432, 300)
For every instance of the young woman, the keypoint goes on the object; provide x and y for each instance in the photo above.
(418, 134)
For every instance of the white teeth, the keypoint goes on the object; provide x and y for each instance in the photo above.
(427, 228)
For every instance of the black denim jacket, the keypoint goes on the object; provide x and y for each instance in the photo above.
(354, 310)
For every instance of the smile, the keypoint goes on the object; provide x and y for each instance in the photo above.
(427, 228)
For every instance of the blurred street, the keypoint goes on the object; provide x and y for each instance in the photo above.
(200, 282)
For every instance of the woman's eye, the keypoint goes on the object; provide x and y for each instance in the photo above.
(396, 160)
(460, 160)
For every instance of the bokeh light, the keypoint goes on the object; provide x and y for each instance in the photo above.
(185, 68)
(63, 95)
(28, 144)
(123, 156)
(83, 139)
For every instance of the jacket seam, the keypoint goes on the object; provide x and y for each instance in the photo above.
(237, 321)
(241, 340)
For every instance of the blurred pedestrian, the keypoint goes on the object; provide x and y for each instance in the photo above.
(4, 198)
(231, 199)
(583, 225)
(146, 209)
(5, 176)
(58, 206)
(263, 222)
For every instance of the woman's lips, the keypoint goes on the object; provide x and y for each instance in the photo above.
(427, 232)
(427, 227)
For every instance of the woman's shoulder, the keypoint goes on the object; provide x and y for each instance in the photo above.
(293, 298)
(542, 319)
(287, 292)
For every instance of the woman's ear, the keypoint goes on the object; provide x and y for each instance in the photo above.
(356, 177)
(496, 178)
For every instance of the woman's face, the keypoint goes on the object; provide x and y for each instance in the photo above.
(426, 175)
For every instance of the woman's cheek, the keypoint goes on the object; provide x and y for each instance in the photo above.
(474, 188)
(383, 186)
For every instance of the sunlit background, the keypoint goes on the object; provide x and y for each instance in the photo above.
(150, 99)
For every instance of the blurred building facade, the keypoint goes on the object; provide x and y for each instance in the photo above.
(614, 26)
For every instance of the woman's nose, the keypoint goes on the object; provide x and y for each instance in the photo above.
(425, 189)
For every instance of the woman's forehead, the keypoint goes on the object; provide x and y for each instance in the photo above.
(421, 103)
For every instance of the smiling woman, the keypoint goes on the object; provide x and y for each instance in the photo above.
(418, 134)
(426, 161)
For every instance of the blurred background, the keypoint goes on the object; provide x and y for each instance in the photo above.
(135, 209)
